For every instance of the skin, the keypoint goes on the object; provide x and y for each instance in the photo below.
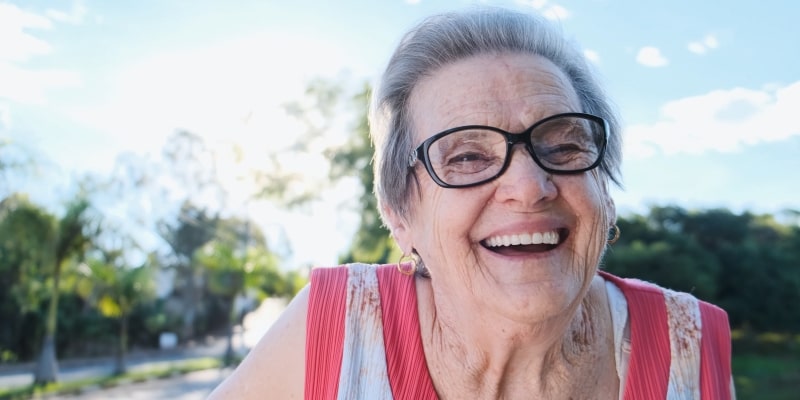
(527, 310)
(494, 324)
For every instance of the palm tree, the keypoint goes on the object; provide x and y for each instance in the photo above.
(116, 290)
(232, 273)
(71, 239)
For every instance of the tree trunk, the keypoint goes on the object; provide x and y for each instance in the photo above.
(47, 367)
(229, 354)
(120, 366)
(190, 303)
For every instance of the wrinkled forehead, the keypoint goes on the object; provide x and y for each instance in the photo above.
(508, 91)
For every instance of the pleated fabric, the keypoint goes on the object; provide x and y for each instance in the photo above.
(715, 354)
(679, 346)
(408, 370)
(325, 332)
(354, 353)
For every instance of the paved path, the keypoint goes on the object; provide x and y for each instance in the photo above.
(192, 386)
(195, 385)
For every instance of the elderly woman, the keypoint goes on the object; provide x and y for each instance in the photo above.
(495, 147)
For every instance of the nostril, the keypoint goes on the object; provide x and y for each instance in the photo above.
(526, 182)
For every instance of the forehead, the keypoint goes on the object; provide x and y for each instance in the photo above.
(508, 91)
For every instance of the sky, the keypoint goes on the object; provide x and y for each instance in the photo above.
(708, 92)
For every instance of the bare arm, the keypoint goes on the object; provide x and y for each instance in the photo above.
(275, 368)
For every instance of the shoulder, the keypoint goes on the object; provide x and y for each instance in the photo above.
(638, 290)
(277, 364)
(692, 335)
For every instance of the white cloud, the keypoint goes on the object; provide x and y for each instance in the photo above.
(230, 93)
(556, 13)
(31, 87)
(74, 16)
(709, 42)
(650, 56)
(18, 46)
(5, 118)
(722, 120)
(536, 4)
(696, 48)
(412, 2)
(592, 56)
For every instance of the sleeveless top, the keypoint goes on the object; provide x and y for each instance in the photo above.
(669, 345)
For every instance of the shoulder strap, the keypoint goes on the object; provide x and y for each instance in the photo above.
(651, 374)
(405, 356)
(648, 368)
(325, 332)
(715, 353)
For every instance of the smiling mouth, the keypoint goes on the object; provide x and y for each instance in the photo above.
(524, 243)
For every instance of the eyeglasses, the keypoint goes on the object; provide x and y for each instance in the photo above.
(466, 156)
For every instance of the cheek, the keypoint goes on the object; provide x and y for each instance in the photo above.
(590, 203)
(444, 218)
(590, 199)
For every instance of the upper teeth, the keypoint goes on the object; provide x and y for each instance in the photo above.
(522, 239)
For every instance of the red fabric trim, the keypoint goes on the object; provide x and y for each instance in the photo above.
(715, 354)
(648, 369)
(405, 356)
(325, 332)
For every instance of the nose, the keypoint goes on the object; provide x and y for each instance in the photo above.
(524, 181)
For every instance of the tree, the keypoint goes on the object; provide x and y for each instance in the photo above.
(116, 290)
(372, 242)
(747, 264)
(193, 228)
(26, 233)
(324, 102)
(71, 239)
(231, 274)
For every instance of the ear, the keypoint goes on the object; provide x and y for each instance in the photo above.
(399, 228)
(611, 210)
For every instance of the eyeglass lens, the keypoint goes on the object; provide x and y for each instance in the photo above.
(471, 155)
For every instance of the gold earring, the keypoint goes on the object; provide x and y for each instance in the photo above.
(407, 271)
(617, 232)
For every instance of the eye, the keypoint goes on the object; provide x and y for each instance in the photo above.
(469, 157)
(563, 154)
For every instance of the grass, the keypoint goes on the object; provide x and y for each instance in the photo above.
(766, 377)
(78, 386)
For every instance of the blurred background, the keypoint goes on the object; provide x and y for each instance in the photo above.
(170, 171)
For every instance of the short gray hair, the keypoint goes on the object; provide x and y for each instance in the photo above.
(446, 38)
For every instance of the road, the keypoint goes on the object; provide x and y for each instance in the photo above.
(195, 385)
(191, 386)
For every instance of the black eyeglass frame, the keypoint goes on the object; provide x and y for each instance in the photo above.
(512, 139)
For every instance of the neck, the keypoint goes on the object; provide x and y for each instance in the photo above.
(503, 357)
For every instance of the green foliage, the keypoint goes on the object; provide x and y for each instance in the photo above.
(115, 289)
(26, 232)
(747, 264)
(193, 227)
(372, 242)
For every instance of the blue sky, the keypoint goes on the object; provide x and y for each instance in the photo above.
(709, 92)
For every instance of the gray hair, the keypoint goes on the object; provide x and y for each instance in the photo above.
(446, 38)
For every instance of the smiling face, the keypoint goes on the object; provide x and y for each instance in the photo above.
(526, 244)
